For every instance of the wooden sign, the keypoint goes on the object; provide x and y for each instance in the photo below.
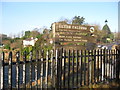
(72, 36)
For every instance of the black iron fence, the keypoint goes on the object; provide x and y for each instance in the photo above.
(60, 68)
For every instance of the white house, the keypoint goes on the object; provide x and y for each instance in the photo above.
(29, 42)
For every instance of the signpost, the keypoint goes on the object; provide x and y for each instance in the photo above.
(72, 36)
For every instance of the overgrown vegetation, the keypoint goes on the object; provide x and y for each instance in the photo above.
(102, 36)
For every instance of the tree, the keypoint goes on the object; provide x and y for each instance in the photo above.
(108, 35)
(17, 44)
(64, 21)
(78, 20)
(45, 31)
(106, 29)
(27, 34)
(22, 33)
(98, 33)
(7, 46)
(34, 33)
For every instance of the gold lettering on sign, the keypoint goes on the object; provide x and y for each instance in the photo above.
(72, 35)
(67, 39)
(68, 36)
(76, 37)
(72, 27)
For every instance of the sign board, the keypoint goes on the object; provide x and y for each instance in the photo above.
(72, 36)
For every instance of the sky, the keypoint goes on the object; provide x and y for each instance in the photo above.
(22, 16)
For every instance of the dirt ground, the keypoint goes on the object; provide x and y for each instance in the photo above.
(102, 86)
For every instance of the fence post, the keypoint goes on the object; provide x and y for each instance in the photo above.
(109, 62)
(60, 63)
(81, 65)
(73, 68)
(36, 69)
(68, 68)
(58, 69)
(77, 55)
(52, 68)
(87, 72)
(2, 71)
(98, 64)
(10, 70)
(64, 59)
(18, 68)
(92, 67)
(118, 65)
(104, 64)
(84, 67)
(24, 68)
(107, 65)
(114, 64)
(56, 58)
(42, 57)
(30, 58)
(47, 62)
(101, 51)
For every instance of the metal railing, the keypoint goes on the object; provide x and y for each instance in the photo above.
(60, 68)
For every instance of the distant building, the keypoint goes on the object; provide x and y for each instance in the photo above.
(29, 42)
(3, 36)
